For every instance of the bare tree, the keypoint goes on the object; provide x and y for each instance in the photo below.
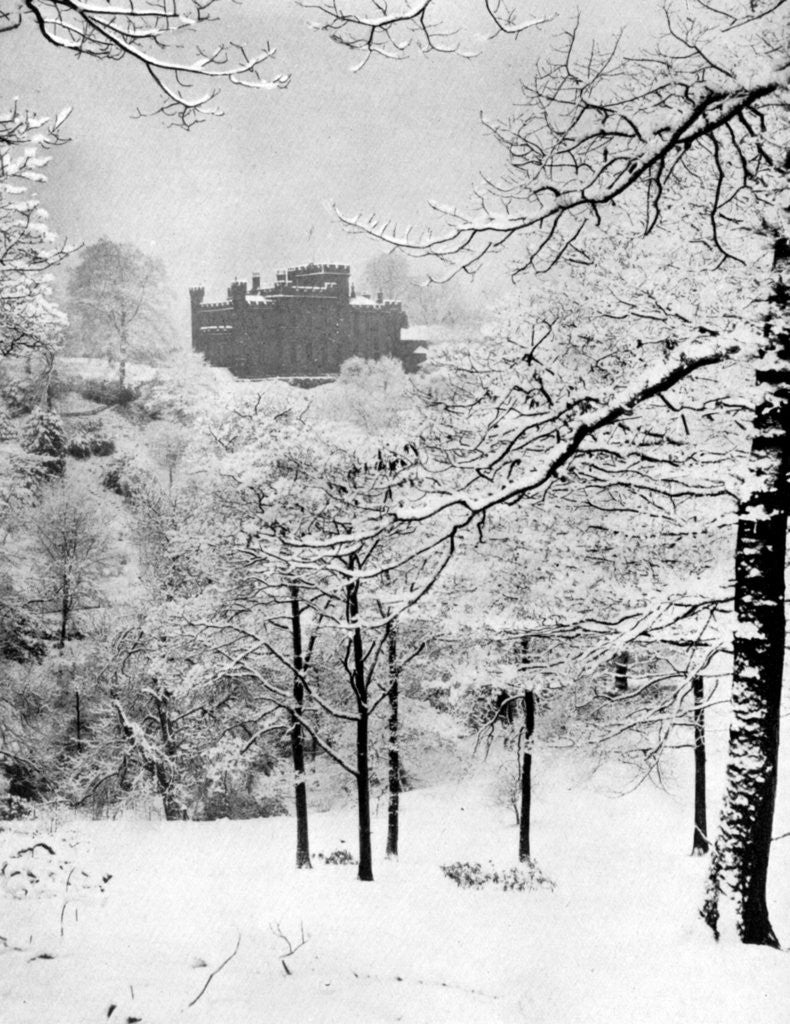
(697, 129)
(117, 303)
(72, 551)
(152, 35)
(302, 506)
(390, 28)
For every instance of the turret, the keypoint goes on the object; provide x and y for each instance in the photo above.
(196, 296)
(237, 293)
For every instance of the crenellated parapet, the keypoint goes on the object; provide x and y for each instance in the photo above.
(304, 326)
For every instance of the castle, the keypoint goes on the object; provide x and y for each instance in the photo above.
(304, 326)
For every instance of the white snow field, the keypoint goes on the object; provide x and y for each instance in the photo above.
(617, 942)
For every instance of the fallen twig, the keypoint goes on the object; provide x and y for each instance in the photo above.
(216, 971)
(292, 948)
(65, 900)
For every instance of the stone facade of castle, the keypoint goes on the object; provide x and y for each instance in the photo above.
(305, 326)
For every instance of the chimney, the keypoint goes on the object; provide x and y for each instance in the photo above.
(256, 282)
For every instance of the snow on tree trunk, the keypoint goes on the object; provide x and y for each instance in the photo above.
(393, 806)
(365, 873)
(162, 766)
(65, 612)
(700, 843)
(736, 894)
(297, 736)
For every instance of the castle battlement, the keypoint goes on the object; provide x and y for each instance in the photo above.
(318, 268)
(282, 331)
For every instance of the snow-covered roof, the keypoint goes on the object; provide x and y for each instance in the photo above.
(432, 333)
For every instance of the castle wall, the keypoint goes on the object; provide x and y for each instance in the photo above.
(306, 325)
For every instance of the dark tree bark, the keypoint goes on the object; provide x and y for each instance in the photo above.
(123, 348)
(739, 867)
(394, 785)
(526, 762)
(700, 843)
(526, 777)
(297, 735)
(365, 873)
(621, 672)
(174, 809)
(65, 615)
(78, 720)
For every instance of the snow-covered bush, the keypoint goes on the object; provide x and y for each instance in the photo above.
(13, 808)
(237, 786)
(238, 805)
(101, 444)
(158, 399)
(19, 394)
(7, 428)
(30, 472)
(42, 868)
(478, 705)
(20, 634)
(524, 878)
(79, 446)
(89, 440)
(337, 857)
(105, 392)
(43, 436)
(125, 477)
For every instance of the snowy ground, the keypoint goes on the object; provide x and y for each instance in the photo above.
(617, 941)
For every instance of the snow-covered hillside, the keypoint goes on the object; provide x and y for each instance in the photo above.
(617, 941)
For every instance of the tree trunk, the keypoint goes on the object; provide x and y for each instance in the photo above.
(365, 873)
(297, 736)
(123, 346)
(65, 614)
(78, 720)
(526, 776)
(174, 809)
(736, 894)
(393, 806)
(700, 843)
(523, 813)
(621, 672)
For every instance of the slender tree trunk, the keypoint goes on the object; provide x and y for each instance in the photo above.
(393, 806)
(621, 672)
(526, 777)
(526, 761)
(123, 348)
(65, 614)
(365, 873)
(736, 894)
(297, 736)
(700, 844)
(174, 809)
(78, 720)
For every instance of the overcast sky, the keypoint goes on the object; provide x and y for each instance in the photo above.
(243, 192)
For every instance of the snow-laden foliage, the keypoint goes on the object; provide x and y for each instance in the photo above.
(28, 317)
